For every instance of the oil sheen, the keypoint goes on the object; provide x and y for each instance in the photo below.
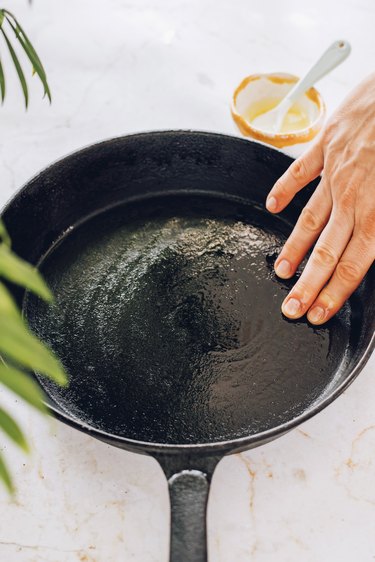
(167, 319)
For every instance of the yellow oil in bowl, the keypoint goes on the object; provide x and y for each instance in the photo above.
(296, 119)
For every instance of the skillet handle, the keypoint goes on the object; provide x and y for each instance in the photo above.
(188, 490)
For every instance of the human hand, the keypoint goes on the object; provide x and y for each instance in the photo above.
(340, 215)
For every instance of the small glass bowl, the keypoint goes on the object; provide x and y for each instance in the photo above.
(257, 87)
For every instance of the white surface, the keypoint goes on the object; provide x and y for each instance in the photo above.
(128, 65)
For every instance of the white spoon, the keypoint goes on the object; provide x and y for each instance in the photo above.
(271, 121)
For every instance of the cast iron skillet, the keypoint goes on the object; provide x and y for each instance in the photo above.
(167, 313)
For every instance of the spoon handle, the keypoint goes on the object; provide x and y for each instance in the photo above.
(332, 57)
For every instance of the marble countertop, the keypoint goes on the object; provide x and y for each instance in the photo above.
(122, 66)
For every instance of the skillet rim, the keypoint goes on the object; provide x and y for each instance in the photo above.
(207, 448)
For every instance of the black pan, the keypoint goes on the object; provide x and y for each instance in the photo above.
(167, 313)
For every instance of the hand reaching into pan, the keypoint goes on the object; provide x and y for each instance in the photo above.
(340, 215)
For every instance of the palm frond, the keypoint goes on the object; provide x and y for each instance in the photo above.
(8, 306)
(21, 272)
(23, 385)
(20, 349)
(8, 18)
(4, 236)
(29, 50)
(24, 348)
(5, 475)
(18, 66)
(13, 430)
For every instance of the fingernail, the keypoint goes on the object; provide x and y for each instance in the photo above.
(271, 204)
(291, 307)
(283, 269)
(316, 314)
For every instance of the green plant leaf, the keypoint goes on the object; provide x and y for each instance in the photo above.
(29, 50)
(24, 386)
(13, 430)
(19, 271)
(20, 31)
(19, 70)
(5, 475)
(20, 345)
(2, 13)
(33, 58)
(4, 236)
(8, 306)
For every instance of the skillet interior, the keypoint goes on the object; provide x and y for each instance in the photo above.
(167, 318)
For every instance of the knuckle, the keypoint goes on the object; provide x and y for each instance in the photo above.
(298, 170)
(323, 256)
(310, 221)
(348, 271)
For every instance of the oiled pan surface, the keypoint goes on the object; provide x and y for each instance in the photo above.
(167, 318)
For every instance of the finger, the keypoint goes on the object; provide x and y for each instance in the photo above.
(351, 269)
(310, 224)
(320, 266)
(298, 175)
